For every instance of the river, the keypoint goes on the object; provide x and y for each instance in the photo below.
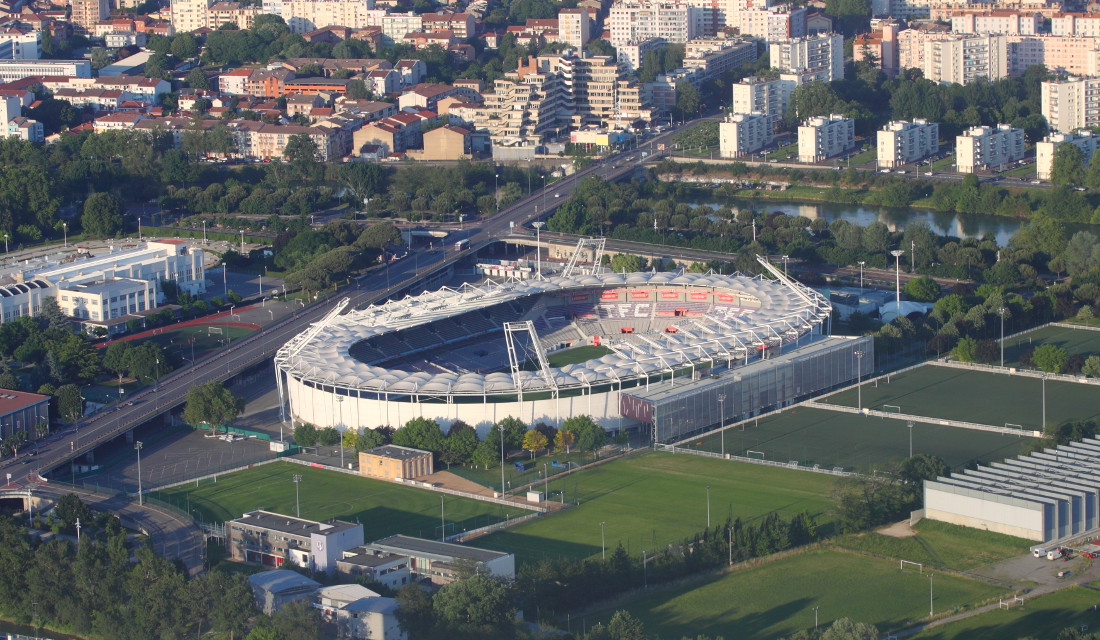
(970, 225)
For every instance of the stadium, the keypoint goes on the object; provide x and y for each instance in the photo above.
(548, 349)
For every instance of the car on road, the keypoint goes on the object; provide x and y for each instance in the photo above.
(557, 195)
(1036, 182)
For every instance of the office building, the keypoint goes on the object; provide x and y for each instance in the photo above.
(821, 57)
(273, 539)
(902, 142)
(982, 148)
(741, 134)
(1044, 151)
(824, 137)
(437, 560)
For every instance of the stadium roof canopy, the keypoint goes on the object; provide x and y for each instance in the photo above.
(787, 311)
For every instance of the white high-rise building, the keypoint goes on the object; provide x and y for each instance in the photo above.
(820, 56)
(1001, 22)
(743, 133)
(302, 16)
(981, 148)
(902, 142)
(824, 137)
(965, 59)
(1071, 104)
(636, 21)
(1044, 151)
(574, 27)
(189, 15)
(773, 24)
(769, 96)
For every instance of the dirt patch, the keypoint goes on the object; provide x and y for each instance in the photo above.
(898, 530)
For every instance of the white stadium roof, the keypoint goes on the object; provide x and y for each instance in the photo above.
(787, 310)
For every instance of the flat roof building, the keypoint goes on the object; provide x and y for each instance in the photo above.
(901, 142)
(742, 134)
(1044, 150)
(437, 560)
(273, 539)
(391, 461)
(824, 137)
(982, 148)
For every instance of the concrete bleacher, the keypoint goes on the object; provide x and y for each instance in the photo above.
(420, 338)
(477, 323)
(365, 353)
(390, 345)
(450, 330)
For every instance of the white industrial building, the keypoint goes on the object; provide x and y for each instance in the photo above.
(819, 56)
(824, 137)
(981, 148)
(743, 133)
(1044, 151)
(901, 142)
(1047, 495)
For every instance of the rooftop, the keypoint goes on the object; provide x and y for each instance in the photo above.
(396, 452)
(280, 580)
(407, 545)
(292, 525)
(12, 401)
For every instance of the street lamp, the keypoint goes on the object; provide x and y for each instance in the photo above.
(859, 381)
(344, 428)
(1001, 312)
(1043, 426)
(815, 615)
(501, 427)
(930, 610)
(708, 506)
(785, 259)
(538, 248)
(496, 190)
(65, 229)
(722, 419)
(137, 447)
(242, 242)
(297, 479)
(204, 231)
(603, 544)
(862, 263)
(5, 243)
(898, 253)
(910, 424)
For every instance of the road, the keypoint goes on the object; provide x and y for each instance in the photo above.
(174, 534)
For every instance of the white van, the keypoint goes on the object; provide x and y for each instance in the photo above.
(1039, 552)
(1054, 553)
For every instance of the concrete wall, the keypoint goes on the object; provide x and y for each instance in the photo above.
(991, 512)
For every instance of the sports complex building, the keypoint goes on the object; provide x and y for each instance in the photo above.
(662, 348)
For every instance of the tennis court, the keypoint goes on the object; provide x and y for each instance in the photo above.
(1085, 342)
(854, 442)
(983, 397)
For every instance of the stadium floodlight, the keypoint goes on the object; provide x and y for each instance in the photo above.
(538, 224)
(1001, 311)
(722, 419)
(603, 543)
(859, 382)
(297, 479)
(898, 253)
(861, 265)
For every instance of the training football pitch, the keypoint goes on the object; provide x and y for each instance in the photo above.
(650, 500)
(778, 598)
(1085, 342)
(1044, 616)
(384, 508)
(976, 396)
(854, 442)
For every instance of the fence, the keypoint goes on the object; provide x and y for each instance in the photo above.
(1011, 371)
(941, 421)
(669, 448)
(466, 536)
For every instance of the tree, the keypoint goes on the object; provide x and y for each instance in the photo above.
(298, 620)
(922, 289)
(687, 99)
(514, 431)
(414, 611)
(1050, 358)
(589, 435)
(845, 629)
(70, 508)
(211, 404)
(624, 626)
(1091, 367)
(305, 435)
(184, 46)
(102, 214)
(70, 403)
(460, 445)
(622, 262)
(1067, 167)
(964, 350)
(563, 440)
(196, 79)
(534, 441)
(915, 470)
(420, 433)
(1082, 252)
(1092, 174)
(479, 604)
(232, 604)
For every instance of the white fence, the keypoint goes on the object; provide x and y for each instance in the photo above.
(481, 531)
(669, 448)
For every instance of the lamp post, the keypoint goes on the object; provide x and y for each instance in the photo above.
(898, 253)
(538, 248)
(242, 242)
(297, 479)
(6, 243)
(501, 427)
(204, 231)
(708, 506)
(861, 265)
(931, 612)
(35, 605)
(496, 190)
(910, 425)
(722, 420)
(1043, 426)
(815, 615)
(65, 229)
(344, 428)
(603, 544)
(139, 228)
(137, 447)
(785, 259)
(1001, 312)
(859, 381)
(442, 520)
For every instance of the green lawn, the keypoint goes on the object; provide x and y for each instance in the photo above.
(206, 341)
(837, 439)
(777, 599)
(650, 500)
(978, 396)
(1041, 617)
(384, 508)
(1085, 342)
(944, 164)
(576, 355)
(782, 152)
(491, 477)
(864, 157)
(938, 544)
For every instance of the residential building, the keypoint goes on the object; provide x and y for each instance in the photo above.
(234, 82)
(631, 54)
(393, 462)
(396, 25)
(86, 13)
(382, 82)
(982, 148)
(1060, 54)
(436, 560)
(1084, 140)
(997, 22)
(371, 618)
(461, 25)
(964, 59)
(1071, 104)
(221, 13)
(368, 110)
(273, 589)
(820, 56)
(769, 96)
(11, 70)
(902, 9)
(742, 134)
(26, 129)
(427, 95)
(911, 44)
(879, 47)
(21, 412)
(187, 15)
(412, 72)
(273, 539)
(20, 43)
(596, 93)
(824, 137)
(901, 142)
(388, 569)
(638, 20)
(1075, 24)
(575, 27)
(715, 57)
(773, 24)
(303, 16)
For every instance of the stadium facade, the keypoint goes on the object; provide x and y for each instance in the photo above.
(456, 354)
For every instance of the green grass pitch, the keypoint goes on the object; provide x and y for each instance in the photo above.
(1085, 342)
(383, 508)
(650, 500)
(776, 599)
(837, 439)
(1040, 617)
(976, 396)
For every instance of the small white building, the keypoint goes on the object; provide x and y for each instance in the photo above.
(901, 142)
(373, 618)
(981, 148)
(1044, 151)
(273, 589)
(743, 133)
(824, 137)
(436, 560)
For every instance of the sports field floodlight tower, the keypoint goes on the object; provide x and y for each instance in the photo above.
(533, 348)
(596, 245)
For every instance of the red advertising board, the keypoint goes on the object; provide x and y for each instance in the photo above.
(725, 297)
(639, 295)
(670, 295)
(698, 295)
(609, 295)
(580, 297)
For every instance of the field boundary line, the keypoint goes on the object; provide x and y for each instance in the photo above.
(1013, 371)
(1067, 325)
(925, 419)
(671, 448)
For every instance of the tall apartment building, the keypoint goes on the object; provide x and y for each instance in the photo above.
(302, 16)
(1044, 151)
(1060, 54)
(189, 15)
(525, 106)
(742, 134)
(1075, 24)
(820, 56)
(86, 13)
(595, 93)
(1006, 22)
(981, 148)
(575, 27)
(824, 137)
(902, 9)
(964, 59)
(715, 57)
(879, 46)
(638, 20)
(902, 142)
(769, 96)
(1071, 104)
(396, 25)
(631, 54)
(16, 44)
(772, 24)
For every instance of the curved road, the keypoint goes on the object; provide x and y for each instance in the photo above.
(175, 535)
